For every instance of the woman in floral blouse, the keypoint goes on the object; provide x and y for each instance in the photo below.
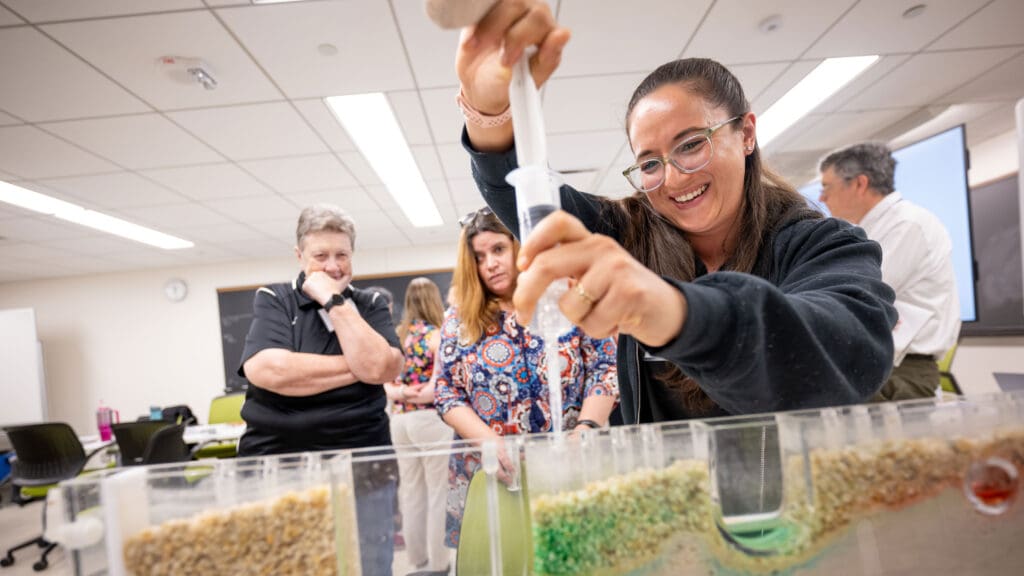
(415, 425)
(492, 381)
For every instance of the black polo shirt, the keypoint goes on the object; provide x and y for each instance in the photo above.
(348, 417)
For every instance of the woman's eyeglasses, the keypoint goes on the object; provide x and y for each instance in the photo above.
(469, 218)
(688, 156)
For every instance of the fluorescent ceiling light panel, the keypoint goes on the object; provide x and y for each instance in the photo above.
(372, 125)
(825, 80)
(51, 206)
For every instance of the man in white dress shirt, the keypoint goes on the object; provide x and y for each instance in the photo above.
(857, 186)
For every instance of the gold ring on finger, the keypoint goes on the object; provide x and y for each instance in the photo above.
(584, 296)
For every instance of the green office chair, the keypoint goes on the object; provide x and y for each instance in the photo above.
(224, 410)
(44, 454)
(946, 379)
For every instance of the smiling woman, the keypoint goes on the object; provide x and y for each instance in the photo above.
(729, 295)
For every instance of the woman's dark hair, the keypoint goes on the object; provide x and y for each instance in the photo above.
(768, 202)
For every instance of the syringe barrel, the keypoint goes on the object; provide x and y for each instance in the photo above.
(536, 195)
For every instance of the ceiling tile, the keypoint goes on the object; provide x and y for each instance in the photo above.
(665, 26)
(219, 233)
(136, 142)
(454, 161)
(301, 174)
(252, 131)
(1004, 82)
(409, 113)
(29, 152)
(588, 103)
(98, 244)
(443, 115)
(52, 83)
(49, 10)
(317, 113)
(262, 249)
(113, 191)
(209, 181)
(8, 120)
(464, 191)
(40, 229)
(756, 78)
(932, 120)
(182, 35)
(778, 88)
(253, 209)
(210, 254)
(427, 161)
(927, 76)
(8, 18)
(879, 70)
(172, 216)
(431, 49)
(147, 258)
(350, 199)
(800, 24)
(847, 128)
(360, 168)
(30, 251)
(878, 27)
(584, 151)
(286, 40)
(377, 240)
(997, 24)
(280, 230)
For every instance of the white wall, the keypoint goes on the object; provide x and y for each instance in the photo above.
(977, 358)
(116, 338)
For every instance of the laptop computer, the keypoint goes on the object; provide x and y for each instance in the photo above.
(1010, 381)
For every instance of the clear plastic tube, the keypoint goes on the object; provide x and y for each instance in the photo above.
(537, 195)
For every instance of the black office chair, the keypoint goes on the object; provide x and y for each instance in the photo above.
(166, 446)
(133, 438)
(44, 454)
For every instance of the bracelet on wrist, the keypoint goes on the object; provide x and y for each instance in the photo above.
(478, 118)
(589, 424)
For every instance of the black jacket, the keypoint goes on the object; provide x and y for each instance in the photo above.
(814, 330)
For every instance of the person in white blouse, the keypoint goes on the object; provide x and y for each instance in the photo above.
(857, 185)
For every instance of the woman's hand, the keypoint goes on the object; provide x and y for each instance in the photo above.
(488, 50)
(612, 292)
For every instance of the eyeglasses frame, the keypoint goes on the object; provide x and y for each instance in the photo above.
(706, 133)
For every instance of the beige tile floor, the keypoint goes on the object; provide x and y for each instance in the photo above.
(18, 524)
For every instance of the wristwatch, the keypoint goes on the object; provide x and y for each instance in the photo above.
(336, 300)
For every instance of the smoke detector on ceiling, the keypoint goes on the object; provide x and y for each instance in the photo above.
(770, 24)
(185, 70)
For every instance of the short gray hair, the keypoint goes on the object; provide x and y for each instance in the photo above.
(324, 218)
(872, 159)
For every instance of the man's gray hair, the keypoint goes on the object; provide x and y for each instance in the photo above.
(872, 159)
(324, 218)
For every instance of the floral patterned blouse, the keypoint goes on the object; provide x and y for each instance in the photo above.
(503, 378)
(419, 363)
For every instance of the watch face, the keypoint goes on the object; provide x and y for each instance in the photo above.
(175, 289)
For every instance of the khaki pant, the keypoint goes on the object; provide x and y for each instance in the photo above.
(423, 489)
(916, 377)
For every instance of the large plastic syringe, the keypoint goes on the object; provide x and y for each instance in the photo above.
(537, 196)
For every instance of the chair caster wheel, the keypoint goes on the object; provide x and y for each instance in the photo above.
(40, 566)
(6, 561)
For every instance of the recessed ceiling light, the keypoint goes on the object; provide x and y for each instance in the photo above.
(51, 206)
(327, 49)
(914, 11)
(372, 126)
(825, 80)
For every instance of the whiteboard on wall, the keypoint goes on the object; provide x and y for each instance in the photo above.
(21, 369)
